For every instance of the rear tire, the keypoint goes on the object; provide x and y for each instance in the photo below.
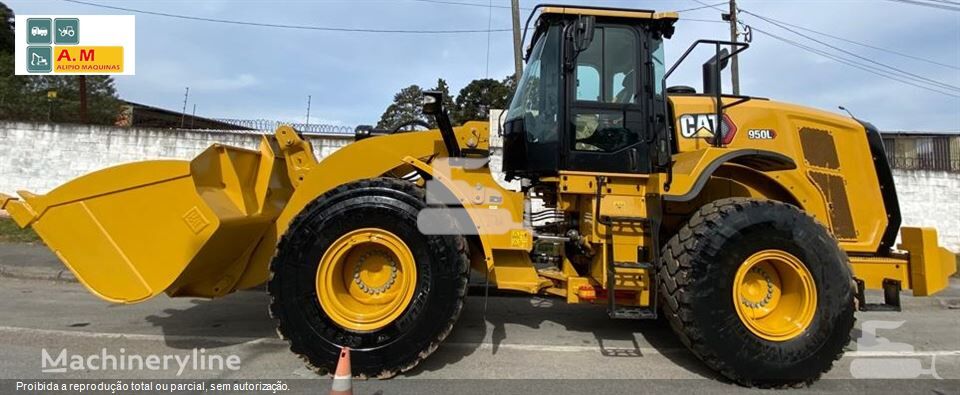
(399, 344)
(698, 269)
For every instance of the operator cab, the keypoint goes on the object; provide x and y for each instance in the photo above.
(590, 97)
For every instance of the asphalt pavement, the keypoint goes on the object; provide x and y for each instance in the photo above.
(505, 344)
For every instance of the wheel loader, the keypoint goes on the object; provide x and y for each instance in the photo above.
(752, 226)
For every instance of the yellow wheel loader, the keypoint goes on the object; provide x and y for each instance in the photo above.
(753, 226)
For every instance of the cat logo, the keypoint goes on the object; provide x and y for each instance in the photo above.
(694, 126)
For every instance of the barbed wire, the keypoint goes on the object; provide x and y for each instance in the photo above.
(270, 125)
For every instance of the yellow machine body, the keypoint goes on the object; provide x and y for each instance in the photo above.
(210, 226)
(834, 180)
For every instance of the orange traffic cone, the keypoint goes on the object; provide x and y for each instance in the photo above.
(343, 379)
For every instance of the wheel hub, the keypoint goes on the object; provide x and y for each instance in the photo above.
(774, 295)
(366, 279)
(363, 267)
(759, 291)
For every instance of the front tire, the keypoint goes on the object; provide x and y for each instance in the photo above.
(759, 291)
(353, 270)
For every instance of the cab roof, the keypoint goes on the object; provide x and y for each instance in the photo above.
(608, 12)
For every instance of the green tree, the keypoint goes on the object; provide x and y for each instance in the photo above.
(478, 97)
(6, 31)
(24, 98)
(447, 99)
(407, 106)
(510, 82)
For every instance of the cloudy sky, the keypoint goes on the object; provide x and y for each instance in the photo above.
(237, 71)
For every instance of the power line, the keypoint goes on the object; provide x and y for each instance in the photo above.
(700, 20)
(703, 6)
(489, 22)
(448, 2)
(955, 7)
(866, 45)
(850, 63)
(906, 74)
(714, 6)
(286, 26)
(467, 4)
(867, 68)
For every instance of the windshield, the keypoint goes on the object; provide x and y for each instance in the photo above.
(537, 98)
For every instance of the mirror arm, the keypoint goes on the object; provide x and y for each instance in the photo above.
(718, 95)
(433, 105)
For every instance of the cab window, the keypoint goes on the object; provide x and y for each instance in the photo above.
(606, 84)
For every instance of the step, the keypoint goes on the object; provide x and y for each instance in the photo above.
(633, 265)
(608, 219)
(633, 313)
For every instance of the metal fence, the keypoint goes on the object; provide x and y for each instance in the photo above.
(269, 125)
(923, 152)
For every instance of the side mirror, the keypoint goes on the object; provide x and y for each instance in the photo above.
(433, 106)
(711, 72)
(583, 32)
(432, 102)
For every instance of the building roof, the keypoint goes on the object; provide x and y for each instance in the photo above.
(921, 133)
(142, 115)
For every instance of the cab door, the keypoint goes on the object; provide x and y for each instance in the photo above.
(606, 126)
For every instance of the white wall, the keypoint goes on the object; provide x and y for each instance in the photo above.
(931, 198)
(39, 157)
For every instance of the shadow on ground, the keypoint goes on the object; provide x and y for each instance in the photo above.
(243, 316)
(231, 320)
(612, 338)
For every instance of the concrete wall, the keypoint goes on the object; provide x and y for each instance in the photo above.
(39, 157)
(931, 198)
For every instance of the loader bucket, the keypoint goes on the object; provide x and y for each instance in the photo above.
(133, 231)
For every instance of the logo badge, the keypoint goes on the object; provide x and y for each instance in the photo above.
(83, 44)
(39, 59)
(38, 31)
(695, 126)
(67, 31)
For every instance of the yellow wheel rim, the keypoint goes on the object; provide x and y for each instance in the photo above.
(366, 279)
(774, 295)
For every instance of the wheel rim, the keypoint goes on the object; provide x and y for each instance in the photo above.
(366, 279)
(774, 295)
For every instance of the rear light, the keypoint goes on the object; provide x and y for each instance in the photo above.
(587, 293)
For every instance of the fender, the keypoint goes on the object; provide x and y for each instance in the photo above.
(312, 179)
(495, 214)
(692, 170)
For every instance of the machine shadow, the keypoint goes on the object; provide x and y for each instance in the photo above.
(488, 331)
(243, 316)
(234, 319)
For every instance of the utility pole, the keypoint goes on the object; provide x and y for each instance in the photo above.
(517, 57)
(183, 115)
(308, 109)
(83, 99)
(734, 63)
